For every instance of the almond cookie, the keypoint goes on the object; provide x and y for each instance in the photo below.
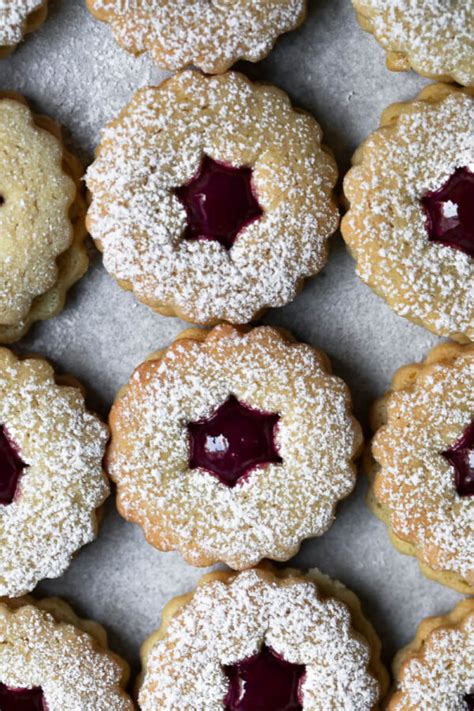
(233, 446)
(51, 478)
(433, 38)
(263, 639)
(435, 671)
(18, 18)
(41, 219)
(51, 660)
(423, 473)
(410, 224)
(210, 34)
(212, 198)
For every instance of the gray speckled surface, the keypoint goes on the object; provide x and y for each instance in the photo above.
(72, 70)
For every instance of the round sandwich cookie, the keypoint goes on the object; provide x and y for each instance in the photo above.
(422, 470)
(18, 18)
(433, 37)
(276, 641)
(212, 198)
(410, 223)
(435, 671)
(42, 223)
(233, 446)
(51, 660)
(209, 34)
(51, 477)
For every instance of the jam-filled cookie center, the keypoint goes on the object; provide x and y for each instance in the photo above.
(11, 468)
(21, 699)
(233, 441)
(219, 202)
(266, 682)
(450, 212)
(461, 457)
(469, 701)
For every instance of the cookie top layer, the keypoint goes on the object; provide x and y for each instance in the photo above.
(419, 147)
(72, 669)
(433, 38)
(53, 511)
(435, 671)
(158, 144)
(14, 15)
(269, 510)
(428, 411)
(229, 620)
(211, 35)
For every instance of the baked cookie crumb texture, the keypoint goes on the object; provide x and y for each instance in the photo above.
(51, 660)
(18, 18)
(239, 145)
(210, 34)
(435, 38)
(275, 638)
(410, 218)
(51, 478)
(436, 671)
(233, 446)
(423, 478)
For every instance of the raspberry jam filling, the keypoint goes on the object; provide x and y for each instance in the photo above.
(11, 467)
(264, 682)
(461, 457)
(450, 212)
(219, 202)
(233, 441)
(21, 699)
(469, 701)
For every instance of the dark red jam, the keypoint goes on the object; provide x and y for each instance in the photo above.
(219, 202)
(450, 212)
(264, 682)
(469, 701)
(11, 467)
(21, 699)
(461, 457)
(233, 441)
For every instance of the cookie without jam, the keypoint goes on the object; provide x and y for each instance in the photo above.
(209, 34)
(422, 467)
(213, 499)
(18, 18)
(407, 226)
(311, 627)
(147, 219)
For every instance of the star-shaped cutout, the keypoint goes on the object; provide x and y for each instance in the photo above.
(461, 457)
(21, 699)
(11, 467)
(219, 202)
(233, 441)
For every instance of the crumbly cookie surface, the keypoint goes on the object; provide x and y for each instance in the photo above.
(229, 617)
(433, 37)
(45, 645)
(426, 412)
(435, 671)
(157, 145)
(17, 18)
(210, 34)
(62, 445)
(267, 514)
(418, 147)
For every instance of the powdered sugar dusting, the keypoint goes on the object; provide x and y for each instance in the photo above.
(276, 506)
(227, 622)
(62, 444)
(13, 17)
(157, 144)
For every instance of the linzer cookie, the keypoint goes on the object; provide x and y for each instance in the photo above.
(51, 478)
(210, 34)
(18, 18)
(233, 446)
(260, 639)
(423, 469)
(435, 671)
(433, 38)
(410, 224)
(41, 219)
(50, 660)
(212, 198)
